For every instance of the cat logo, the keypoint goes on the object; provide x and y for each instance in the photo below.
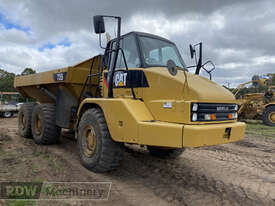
(120, 79)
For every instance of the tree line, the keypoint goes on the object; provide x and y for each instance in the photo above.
(7, 80)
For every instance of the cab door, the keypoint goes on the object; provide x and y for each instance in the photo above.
(125, 79)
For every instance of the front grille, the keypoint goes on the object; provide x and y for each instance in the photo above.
(220, 110)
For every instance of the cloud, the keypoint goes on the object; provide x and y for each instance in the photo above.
(7, 24)
(13, 37)
(15, 58)
(237, 35)
(65, 43)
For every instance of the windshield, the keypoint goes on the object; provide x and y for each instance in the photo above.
(157, 52)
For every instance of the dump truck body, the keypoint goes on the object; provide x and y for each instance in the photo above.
(73, 78)
(61, 86)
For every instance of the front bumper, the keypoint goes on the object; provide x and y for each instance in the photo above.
(212, 134)
(175, 135)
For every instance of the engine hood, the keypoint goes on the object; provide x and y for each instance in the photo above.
(205, 90)
(184, 86)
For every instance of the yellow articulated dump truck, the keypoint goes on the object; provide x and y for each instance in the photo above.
(138, 92)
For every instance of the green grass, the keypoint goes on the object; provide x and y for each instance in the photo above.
(51, 162)
(260, 130)
(37, 153)
(38, 180)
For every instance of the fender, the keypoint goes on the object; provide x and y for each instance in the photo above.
(270, 104)
(122, 116)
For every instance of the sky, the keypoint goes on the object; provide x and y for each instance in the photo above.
(238, 36)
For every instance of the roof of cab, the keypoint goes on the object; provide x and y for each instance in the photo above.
(146, 35)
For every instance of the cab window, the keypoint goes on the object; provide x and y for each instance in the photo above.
(129, 47)
(157, 52)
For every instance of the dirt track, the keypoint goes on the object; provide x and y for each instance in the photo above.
(241, 173)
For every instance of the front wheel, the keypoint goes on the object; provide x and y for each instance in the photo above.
(165, 152)
(98, 152)
(269, 116)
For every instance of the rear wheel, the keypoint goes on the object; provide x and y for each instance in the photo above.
(7, 114)
(164, 152)
(25, 119)
(44, 129)
(269, 116)
(98, 152)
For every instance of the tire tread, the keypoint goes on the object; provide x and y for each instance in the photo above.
(27, 109)
(111, 153)
(51, 131)
(265, 115)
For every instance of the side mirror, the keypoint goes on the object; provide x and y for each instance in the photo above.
(172, 68)
(99, 25)
(192, 51)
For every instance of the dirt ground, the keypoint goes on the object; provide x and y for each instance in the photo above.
(241, 173)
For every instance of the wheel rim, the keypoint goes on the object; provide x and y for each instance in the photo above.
(38, 125)
(89, 143)
(271, 117)
(7, 114)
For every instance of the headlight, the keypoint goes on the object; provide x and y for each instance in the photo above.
(236, 107)
(235, 115)
(194, 117)
(210, 117)
(207, 117)
(195, 107)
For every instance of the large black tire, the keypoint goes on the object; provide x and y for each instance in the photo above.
(44, 129)
(164, 152)
(269, 116)
(101, 154)
(25, 120)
